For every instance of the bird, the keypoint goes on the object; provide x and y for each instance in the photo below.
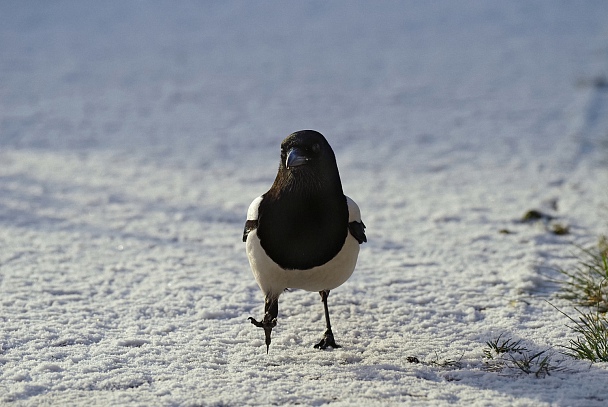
(303, 233)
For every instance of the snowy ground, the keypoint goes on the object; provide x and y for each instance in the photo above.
(133, 136)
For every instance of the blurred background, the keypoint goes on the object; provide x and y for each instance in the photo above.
(190, 79)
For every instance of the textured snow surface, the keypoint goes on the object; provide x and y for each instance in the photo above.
(134, 135)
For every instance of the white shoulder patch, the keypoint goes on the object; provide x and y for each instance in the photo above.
(252, 212)
(354, 214)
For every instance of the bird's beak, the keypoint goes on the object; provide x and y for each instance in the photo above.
(295, 158)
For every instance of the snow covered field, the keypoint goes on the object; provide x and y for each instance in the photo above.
(134, 135)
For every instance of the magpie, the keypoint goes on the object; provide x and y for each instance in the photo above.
(304, 233)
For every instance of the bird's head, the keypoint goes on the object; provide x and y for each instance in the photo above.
(308, 164)
(306, 148)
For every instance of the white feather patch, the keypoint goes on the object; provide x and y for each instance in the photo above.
(354, 214)
(252, 212)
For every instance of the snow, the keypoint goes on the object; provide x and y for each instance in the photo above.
(134, 135)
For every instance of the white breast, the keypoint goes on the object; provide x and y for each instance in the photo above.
(273, 279)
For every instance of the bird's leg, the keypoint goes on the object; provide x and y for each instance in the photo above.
(271, 311)
(328, 337)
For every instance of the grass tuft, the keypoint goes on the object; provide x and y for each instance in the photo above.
(437, 362)
(587, 285)
(447, 363)
(510, 354)
(587, 282)
(602, 245)
(498, 347)
(538, 364)
(592, 344)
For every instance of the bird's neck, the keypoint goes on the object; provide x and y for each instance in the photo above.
(310, 186)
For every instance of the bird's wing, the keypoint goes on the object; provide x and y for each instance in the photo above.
(356, 226)
(252, 217)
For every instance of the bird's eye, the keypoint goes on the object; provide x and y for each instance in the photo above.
(316, 148)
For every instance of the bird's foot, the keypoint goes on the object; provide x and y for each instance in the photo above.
(328, 340)
(267, 323)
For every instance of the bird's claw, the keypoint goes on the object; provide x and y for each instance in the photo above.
(328, 340)
(267, 323)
